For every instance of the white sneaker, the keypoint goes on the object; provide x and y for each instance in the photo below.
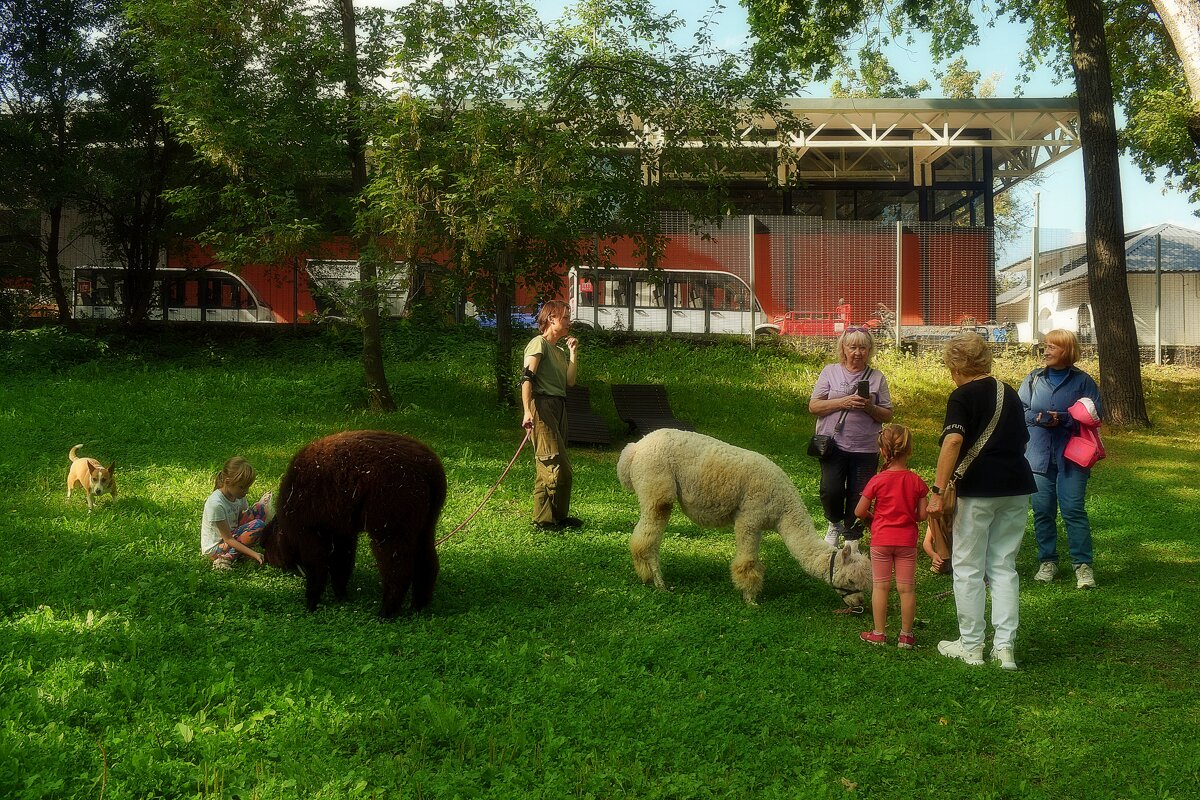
(1046, 571)
(832, 534)
(955, 649)
(1005, 656)
(1084, 579)
(222, 563)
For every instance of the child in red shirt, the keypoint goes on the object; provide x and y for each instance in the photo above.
(900, 497)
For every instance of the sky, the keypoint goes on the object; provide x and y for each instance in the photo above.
(1061, 205)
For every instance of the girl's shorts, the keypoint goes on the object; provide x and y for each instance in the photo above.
(886, 558)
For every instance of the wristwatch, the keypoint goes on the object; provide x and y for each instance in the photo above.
(935, 489)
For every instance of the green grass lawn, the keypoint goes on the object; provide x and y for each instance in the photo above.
(129, 669)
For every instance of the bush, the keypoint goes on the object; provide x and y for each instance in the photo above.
(50, 348)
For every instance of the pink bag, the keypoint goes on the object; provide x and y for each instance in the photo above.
(1085, 447)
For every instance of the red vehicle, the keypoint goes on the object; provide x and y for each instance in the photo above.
(809, 323)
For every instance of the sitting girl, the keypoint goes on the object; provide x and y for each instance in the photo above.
(231, 527)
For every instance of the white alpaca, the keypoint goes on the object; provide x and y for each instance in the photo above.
(717, 484)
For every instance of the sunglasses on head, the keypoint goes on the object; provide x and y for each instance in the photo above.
(858, 329)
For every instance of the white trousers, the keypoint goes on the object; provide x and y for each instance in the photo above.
(987, 534)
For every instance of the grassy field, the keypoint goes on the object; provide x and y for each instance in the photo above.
(129, 669)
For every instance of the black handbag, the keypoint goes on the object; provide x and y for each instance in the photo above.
(821, 446)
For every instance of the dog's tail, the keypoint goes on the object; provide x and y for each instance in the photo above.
(624, 463)
(71, 455)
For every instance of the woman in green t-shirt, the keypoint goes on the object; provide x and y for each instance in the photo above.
(547, 373)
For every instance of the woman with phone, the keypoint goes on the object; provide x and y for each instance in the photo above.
(851, 402)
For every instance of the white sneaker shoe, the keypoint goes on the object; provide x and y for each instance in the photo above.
(222, 563)
(1005, 656)
(1084, 579)
(832, 533)
(1046, 571)
(955, 649)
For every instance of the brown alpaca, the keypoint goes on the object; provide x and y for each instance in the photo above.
(387, 484)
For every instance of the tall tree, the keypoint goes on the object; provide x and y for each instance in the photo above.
(1108, 283)
(273, 96)
(1076, 28)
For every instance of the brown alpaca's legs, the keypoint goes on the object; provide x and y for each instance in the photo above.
(341, 565)
(747, 567)
(647, 536)
(425, 570)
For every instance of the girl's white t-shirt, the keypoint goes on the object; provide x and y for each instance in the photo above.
(219, 507)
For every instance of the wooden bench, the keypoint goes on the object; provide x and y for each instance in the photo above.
(645, 408)
(584, 426)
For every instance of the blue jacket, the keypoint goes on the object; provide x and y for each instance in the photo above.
(1038, 397)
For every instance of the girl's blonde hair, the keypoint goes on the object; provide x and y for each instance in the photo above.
(237, 471)
(895, 441)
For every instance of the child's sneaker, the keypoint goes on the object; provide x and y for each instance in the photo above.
(906, 641)
(222, 563)
(873, 637)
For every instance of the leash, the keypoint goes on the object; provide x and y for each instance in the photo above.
(491, 491)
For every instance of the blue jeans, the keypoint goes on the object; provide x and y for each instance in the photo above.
(1061, 488)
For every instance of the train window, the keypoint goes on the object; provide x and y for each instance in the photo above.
(612, 293)
(649, 295)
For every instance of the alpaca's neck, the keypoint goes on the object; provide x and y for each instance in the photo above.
(810, 550)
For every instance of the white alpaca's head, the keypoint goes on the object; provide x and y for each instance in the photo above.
(850, 574)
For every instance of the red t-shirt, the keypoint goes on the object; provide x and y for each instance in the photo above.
(895, 492)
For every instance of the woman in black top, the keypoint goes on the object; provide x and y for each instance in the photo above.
(993, 500)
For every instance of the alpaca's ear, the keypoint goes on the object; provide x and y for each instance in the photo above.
(846, 553)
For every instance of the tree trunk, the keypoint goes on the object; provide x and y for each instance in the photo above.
(53, 269)
(503, 300)
(1108, 286)
(379, 396)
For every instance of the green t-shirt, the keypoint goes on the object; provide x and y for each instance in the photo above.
(551, 375)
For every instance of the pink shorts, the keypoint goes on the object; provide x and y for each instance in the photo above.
(885, 558)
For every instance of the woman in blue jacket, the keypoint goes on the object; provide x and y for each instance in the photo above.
(1047, 393)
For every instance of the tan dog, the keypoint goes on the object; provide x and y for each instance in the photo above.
(94, 477)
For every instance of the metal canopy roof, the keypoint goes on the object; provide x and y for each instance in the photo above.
(850, 138)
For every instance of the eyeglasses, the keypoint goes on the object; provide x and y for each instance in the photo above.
(858, 329)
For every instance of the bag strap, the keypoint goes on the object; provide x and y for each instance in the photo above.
(842, 419)
(983, 437)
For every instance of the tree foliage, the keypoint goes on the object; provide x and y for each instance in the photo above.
(273, 96)
(515, 144)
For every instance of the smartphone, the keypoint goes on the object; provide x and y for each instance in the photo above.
(864, 388)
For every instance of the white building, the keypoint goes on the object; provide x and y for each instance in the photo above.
(1163, 267)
